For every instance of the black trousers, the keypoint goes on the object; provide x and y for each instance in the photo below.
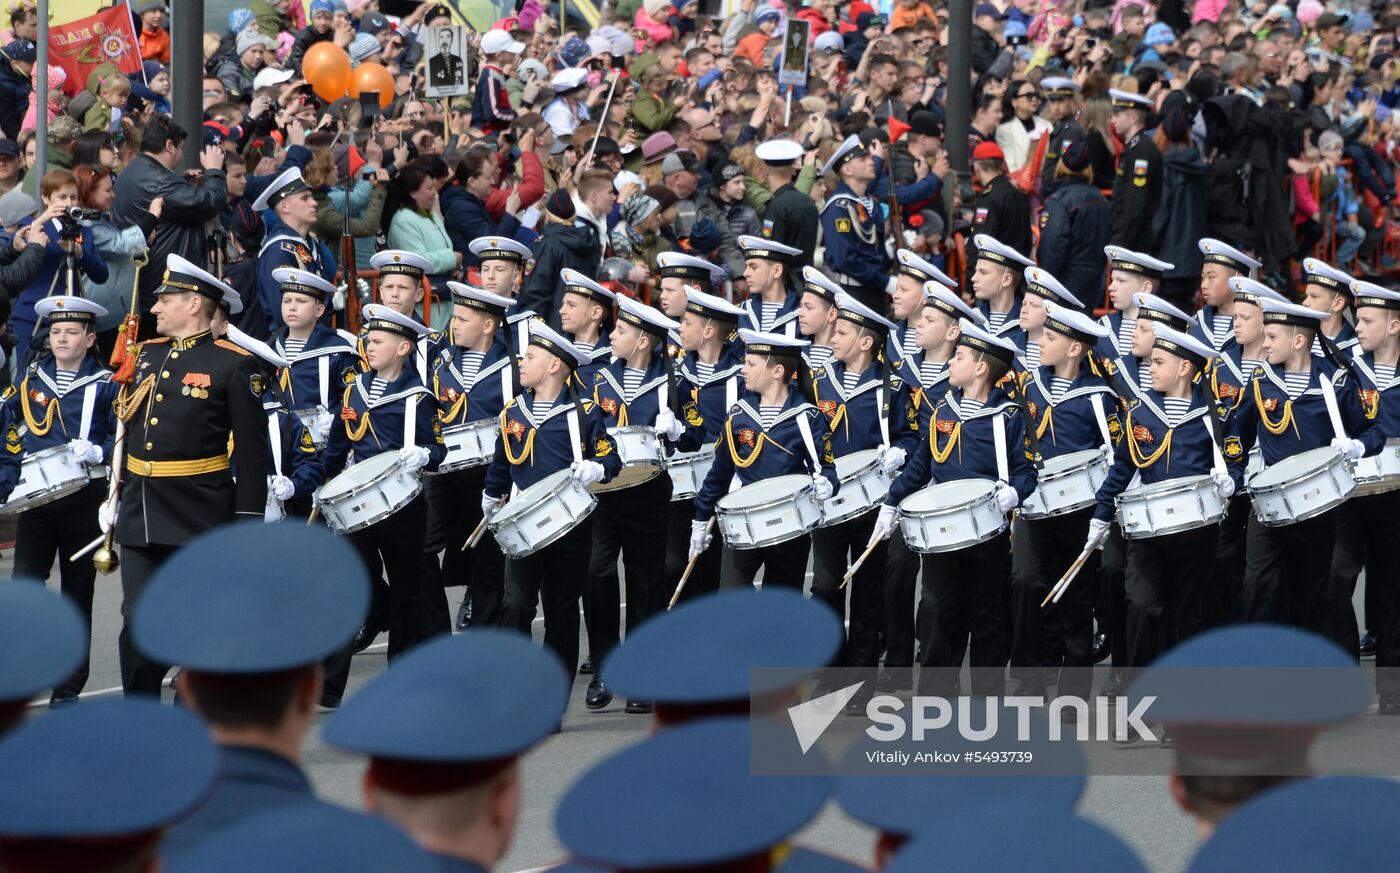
(901, 585)
(966, 595)
(833, 550)
(454, 511)
(1166, 578)
(704, 579)
(631, 522)
(56, 531)
(1368, 538)
(1288, 573)
(553, 577)
(784, 565)
(1223, 602)
(138, 563)
(1113, 605)
(1061, 634)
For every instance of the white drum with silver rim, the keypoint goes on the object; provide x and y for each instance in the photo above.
(864, 487)
(641, 453)
(1169, 507)
(367, 493)
(46, 476)
(1301, 487)
(469, 445)
(542, 514)
(1067, 483)
(310, 419)
(688, 471)
(768, 512)
(1378, 473)
(951, 516)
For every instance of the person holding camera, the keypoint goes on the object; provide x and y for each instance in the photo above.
(70, 253)
(117, 246)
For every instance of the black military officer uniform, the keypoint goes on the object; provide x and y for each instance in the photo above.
(1067, 132)
(791, 216)
(190, 396)
(1137, 183)
(1003, 211)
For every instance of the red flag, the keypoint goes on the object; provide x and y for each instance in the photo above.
(1028, 177)
(108, 37)
(897, 129)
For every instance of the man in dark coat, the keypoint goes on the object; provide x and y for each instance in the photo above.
(565, 242)
(1180, 221)
(790, 217)
(1137, 185)
(1003, 211)
(1074, 227)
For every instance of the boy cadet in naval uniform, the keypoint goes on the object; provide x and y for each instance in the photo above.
(1214, 322)
(321, 360)
(387, 409)
(1297, 401)
(816, 317)
(1041, 287)
(473, 379)
(545, 429)
(64, 399)
(974, 433)
(854, 391)
(1328, 290)
(996, 283)
(249, 631)
(776, 431)
(444, 768)
(920, 391)
(906, 302)
(853, 227)
(504, 264)
(586, 317)
(145, 766)
(770, 270)
(709, 383)
(1130, 274)
(401, 289)
(1368, 526)
(179, 480)
(1072, 410)
(638, 389)
(1169, 433)
(43, 639)
(678, 271)
(289, 241)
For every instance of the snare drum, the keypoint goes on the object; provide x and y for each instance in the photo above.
(542, 514)
(951, 516)
(1301, 487)
(641, 454)
(46, 476)
(768, 512)
(688, 472)
(864, 486)
(367, 493)
(1169, 507)
(1378, 473)
(310, 419)
(469, 445)
(1067, 484)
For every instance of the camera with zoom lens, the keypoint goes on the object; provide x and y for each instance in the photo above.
(72, 219)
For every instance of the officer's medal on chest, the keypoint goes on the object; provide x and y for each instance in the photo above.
(196, 385)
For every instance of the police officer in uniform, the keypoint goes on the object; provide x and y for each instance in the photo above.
(1062, 107)
(853, 227)
(1137, 183)
(790, 217)
(289, 241)
(191, 395)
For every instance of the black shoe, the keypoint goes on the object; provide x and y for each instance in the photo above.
(464, 612)
(1101, 651)
(586, 668)
(1113, 685)
(895, 679)
(637, 707)
(1368, 644)
(1389, 706)
(363, 638)
(598, 695)
(63, 697)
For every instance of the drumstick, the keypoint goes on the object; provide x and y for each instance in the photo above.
(89, 548)
(690, 565)
(475, 536)
(1073, 571)
(851, 571)
(315, 511)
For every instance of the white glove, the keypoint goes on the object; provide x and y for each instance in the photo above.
(1098, 533)
(1224, 485)
(282, 488)
(892, 459)
(106, 516)
(588, 472)
(490, 504)
(1348, 448)
(1108, 454)
(884, 524)
(667, 426)
(821, 487)
(324, 420)
(85, 452)
(700, 538)
(1007, 498)
(413, 458)
(338, 298)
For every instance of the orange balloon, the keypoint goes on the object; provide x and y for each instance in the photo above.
(326, 67)
(370, 76)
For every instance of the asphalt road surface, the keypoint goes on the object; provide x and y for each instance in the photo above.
(1137, 807)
